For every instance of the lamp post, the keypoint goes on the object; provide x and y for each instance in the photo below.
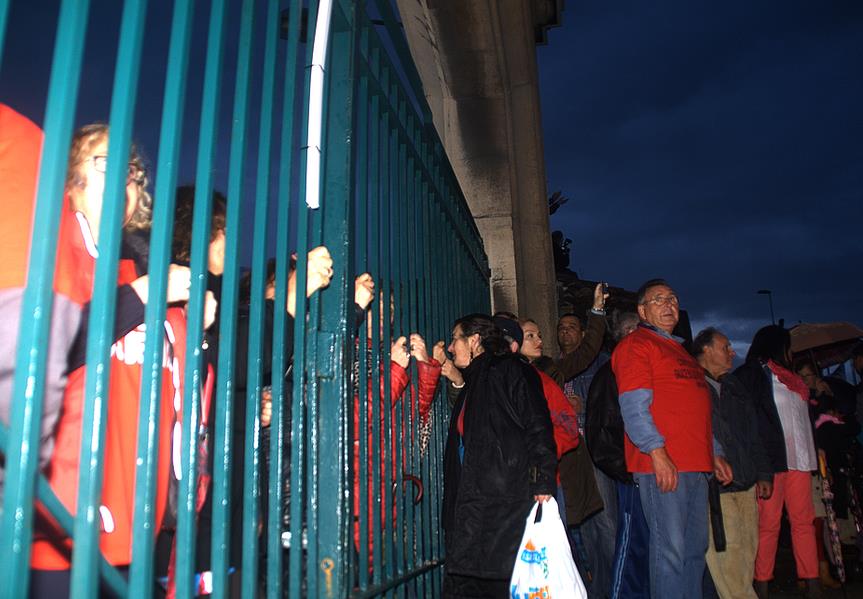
(769, 295)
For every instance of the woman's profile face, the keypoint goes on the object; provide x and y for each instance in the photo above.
(531, 347)
(459, 348)
(88, 196)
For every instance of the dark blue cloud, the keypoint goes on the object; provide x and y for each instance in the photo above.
(717, 144)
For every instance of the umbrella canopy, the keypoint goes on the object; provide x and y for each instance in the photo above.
(828, 343)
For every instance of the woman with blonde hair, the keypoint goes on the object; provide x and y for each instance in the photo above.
(79, 239)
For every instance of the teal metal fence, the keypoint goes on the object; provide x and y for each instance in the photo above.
(358, 168)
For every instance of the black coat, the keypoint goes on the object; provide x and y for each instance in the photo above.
(509, 456)
(603, 428)
(758, 383)
(735, 425)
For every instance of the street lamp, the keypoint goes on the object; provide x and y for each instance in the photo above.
(769, 295)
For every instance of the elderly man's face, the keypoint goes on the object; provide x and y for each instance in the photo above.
(660, 308)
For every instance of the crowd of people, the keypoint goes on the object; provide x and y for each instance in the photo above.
(671, 472)
(687, 466)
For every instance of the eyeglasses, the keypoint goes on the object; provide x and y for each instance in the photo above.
(135, 173)
(661, 300)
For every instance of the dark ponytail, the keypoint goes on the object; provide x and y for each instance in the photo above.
(490, 337)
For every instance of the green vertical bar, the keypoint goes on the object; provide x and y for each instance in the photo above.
(383, 403)
(251, 496)
(361, 154)
(141, 574)
(301, 527)
(4, 16)
(230, 281)
(29, 384)
(102, 308)
(337, 337)
(375, 254)
(280, 405)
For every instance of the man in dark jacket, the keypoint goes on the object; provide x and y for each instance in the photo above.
(735, 428)
(604, 433)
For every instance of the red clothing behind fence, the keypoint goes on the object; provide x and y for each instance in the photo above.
(51, 549)
(645, 359)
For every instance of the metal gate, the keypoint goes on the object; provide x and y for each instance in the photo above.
(344, 155)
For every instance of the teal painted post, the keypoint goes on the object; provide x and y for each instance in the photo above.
(28, 388)
(251, 496)
(85, 551)
(335, 338)
(302, 530)
(141, 573)
(193, 370)
(375, 260)
(234, 226)
(4, 16)
(281, 406)
(361, 241)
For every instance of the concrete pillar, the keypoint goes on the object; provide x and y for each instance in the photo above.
(477, 62)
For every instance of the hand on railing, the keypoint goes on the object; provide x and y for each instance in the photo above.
(399, 352)
(364, 290)
(418, 348)
(320, 270)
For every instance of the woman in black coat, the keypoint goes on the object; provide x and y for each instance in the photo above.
(500, 458)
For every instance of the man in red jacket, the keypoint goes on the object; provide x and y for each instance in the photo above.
(665, 404)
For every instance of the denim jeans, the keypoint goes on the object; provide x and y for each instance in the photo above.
(599, 531)
(630, 578)
(678, 523)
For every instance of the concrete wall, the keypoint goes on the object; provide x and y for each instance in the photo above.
(477, 62)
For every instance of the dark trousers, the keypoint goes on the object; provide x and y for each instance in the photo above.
(631, 575)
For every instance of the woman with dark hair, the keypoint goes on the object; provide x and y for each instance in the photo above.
(783, 412)
(500, 458)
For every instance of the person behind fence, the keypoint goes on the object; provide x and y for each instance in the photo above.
(319, 272)
(735, 426)
(428, 373)
(499, 459)
(20, 150)
(780, 397)
(79, 232)
(665, 404)
(603, 429)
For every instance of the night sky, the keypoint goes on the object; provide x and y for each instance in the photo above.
(717, 145)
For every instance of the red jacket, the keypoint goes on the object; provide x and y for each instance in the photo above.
(428, 374)
(51, 550)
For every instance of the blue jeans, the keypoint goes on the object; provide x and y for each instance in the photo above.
(631, 576)
(678, 534)
(598, 532)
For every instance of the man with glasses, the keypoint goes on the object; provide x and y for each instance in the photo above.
(665, 404)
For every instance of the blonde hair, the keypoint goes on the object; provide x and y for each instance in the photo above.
(83, 142)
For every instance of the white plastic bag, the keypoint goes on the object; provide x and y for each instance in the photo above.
(544, 568)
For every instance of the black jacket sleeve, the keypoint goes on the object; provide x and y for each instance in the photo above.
(128, 316)
(532, 409)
